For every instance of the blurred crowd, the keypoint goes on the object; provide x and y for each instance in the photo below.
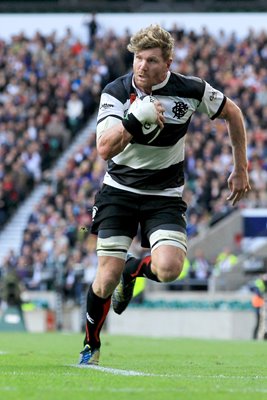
(49, 89)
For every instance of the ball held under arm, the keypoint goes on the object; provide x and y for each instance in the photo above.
(140, 113)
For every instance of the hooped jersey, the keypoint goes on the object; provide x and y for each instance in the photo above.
(158, 167)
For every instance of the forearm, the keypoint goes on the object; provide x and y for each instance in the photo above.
(238, 181)
(237, 134)
(114, 136)
(113, 141)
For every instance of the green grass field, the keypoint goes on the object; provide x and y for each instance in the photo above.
(44, 366)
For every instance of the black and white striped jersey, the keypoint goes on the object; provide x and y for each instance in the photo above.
(156, 168)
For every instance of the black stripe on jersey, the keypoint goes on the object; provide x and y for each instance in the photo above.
(220, 109)
(121, 88)
(170, 134)
(147, 179)
(107, 116)
(182, 86)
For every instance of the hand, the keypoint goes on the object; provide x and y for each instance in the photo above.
(238, 183)
(160, 114)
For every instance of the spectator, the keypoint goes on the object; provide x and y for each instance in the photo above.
(32, 160)
(200, 266)
(225, 261)
(92, 28)
(35, 283)
(258, 291)
(74, 113)
(59, 136)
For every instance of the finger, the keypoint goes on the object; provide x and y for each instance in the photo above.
(237, 196)
(231, 196)
(236, 200)
(234, 197)
(161, 120)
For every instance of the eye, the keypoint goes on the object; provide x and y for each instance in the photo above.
(153, 60)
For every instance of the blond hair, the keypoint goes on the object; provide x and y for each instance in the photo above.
(151, 37)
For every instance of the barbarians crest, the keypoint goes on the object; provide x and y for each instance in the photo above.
(179, 109)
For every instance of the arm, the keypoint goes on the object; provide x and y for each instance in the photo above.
(113, 141)
(114, 136)
(238, 181)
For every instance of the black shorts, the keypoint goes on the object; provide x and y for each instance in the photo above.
(119, 213)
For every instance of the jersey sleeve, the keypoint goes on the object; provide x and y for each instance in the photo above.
(110, 113)
(212, 102)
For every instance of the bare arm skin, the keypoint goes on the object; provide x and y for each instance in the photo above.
(114, 140)
(238, 181)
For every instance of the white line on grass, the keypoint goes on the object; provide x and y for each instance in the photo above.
(116, 371)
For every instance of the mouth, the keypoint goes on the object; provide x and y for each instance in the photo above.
(142, 77)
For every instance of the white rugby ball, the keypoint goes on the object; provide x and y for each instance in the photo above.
(151, 131)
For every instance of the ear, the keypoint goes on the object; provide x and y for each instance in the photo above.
(169, 62)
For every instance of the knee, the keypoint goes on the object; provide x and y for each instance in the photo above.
(169, 273)
(168, 269)
(107, 277)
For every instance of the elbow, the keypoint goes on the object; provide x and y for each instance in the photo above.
(105, 150)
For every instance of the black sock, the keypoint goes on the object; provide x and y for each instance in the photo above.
(97, 310)
(135, 267)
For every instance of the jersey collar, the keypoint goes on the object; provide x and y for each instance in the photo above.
(155, 87)
(163, 83)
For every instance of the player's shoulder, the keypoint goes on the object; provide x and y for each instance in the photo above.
(189, 86)
(120, 88)
(186, 79)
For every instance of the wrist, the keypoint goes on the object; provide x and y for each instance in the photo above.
(133, 126)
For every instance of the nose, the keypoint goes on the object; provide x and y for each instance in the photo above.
(143, 65)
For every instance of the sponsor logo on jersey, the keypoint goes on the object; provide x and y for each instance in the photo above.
(213, 95)
(106, 106)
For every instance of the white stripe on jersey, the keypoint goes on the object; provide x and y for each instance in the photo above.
(192, 105)
(138, 156)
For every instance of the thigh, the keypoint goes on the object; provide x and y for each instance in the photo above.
(163, 222)
(115, 212)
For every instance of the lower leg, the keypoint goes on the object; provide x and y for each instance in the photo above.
(97, 310)
(99, 297)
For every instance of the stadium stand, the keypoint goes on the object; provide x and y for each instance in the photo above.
(39, 76)
(131, 6)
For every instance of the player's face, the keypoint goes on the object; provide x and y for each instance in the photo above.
(149, 68)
